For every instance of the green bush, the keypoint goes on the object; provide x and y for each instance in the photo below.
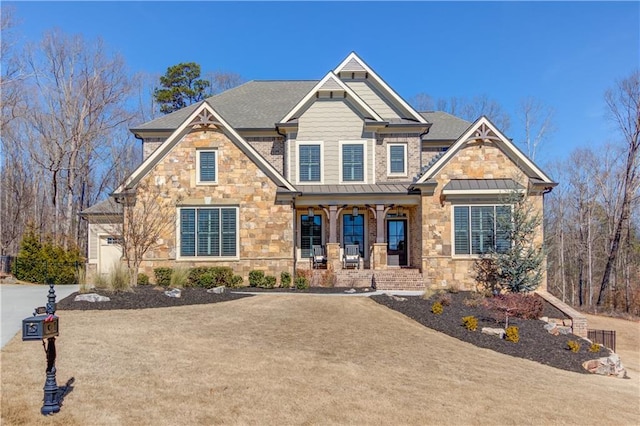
(236, 281)
(470, 322)
(43, 262)
(195, 275)
(285, 279)
(512, 334)
(207, 280)
(212, 277)
(437, 308)
(573, 346)
(163, 276)
(301, 282)
(268, 282)
(143, 279)
(256, 278)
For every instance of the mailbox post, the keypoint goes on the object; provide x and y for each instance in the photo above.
(44, 325)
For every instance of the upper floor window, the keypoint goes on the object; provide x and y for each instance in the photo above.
(309, 164)
(352, 162)
(397, 159)
(481, 229)
(207, 164)
(209, 232)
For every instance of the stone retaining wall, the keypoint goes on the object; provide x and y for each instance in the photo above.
(578, 322)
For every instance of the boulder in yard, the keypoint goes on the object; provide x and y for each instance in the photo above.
(607, 366)
(494, 331)
(176, 292)
(217, 290)
(91, 297)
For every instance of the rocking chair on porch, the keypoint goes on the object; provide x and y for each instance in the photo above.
(351, 257)
(318, 257)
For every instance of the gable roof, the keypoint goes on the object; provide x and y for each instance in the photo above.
(103, 208)
(203, 112)
(253, 105)
(354, 63)
(483, 128)
(331, 82)
(445, 126)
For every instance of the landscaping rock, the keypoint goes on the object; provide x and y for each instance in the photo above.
(91, 297)
(493, 331)
(173, 293)
(564, 330)
(607, 366)
(552, 328)
(217, 290)
(545, 319)
(351, 290)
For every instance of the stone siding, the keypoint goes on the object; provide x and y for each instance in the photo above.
(473, 161)
(265, 227)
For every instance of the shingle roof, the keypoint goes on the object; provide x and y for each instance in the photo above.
(445, 126)
(256, 104)
(105, 207)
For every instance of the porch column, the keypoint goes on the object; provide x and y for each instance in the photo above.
(333, 221)
(333, 257)
(380, 213)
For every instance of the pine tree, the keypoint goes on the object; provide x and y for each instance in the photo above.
(181, 86)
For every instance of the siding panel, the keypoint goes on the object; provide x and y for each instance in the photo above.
(373, 99)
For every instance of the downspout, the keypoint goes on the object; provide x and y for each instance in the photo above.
(285, 168)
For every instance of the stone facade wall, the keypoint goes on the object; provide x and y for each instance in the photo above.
(149, 145)
(413, 155)
(271, 148)
(474, 161)
(265, 227)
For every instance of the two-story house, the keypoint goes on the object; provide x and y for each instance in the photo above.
(261, 173)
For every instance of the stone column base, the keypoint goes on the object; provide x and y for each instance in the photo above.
(379, 256)
(333, 256)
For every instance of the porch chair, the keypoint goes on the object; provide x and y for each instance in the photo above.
(318, 256)
(351, 256)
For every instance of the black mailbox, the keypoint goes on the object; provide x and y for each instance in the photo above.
(39, 327)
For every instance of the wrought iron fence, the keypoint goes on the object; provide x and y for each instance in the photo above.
(603, 337)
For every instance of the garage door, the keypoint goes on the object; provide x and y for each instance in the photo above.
(109, 254)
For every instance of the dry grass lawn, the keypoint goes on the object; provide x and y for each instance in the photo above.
(295, 360)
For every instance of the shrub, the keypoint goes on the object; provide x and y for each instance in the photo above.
(163, 276)
(206, 280)
(285, 279)
(470, 322)
(328, 278)
(236, 281)
(268, 282)
(118, 278)
(429, 293)
(256, 278)
(444, 299)
(573, 346)
(437, 308)
(100, 281)
(512, 334)
(595, 347)
(44, 262)
(514, 305)
(302, 282)
(179, 277)
(195, 275)
(143, 279)
(474, 300)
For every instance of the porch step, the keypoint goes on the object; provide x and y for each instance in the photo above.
(398, 279)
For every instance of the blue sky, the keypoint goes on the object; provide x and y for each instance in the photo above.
(566, 54)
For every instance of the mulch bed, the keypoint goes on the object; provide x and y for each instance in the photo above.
(535, 343)
(143, 297)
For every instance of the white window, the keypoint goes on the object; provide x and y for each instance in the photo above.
(353, 162)
(310, 159)
(481, 229)
(397, 159)
(208, 232)
(207, 166)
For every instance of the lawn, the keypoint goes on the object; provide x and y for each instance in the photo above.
(278, 359)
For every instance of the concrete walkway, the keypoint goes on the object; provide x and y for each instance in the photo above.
(18, 301)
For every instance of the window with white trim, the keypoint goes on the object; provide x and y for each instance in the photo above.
(208, 232)
(309, 163)
(397, 159)
(207, 166)
(352, 155)
(481, 229)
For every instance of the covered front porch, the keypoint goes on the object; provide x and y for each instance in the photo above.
(384, 227)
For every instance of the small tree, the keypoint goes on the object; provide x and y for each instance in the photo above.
(146, 218)
(181, 86)
(518, 265)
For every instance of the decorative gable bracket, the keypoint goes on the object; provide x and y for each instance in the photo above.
(204, 120)
(483, 134)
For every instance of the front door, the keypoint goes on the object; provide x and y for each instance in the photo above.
(397, 242)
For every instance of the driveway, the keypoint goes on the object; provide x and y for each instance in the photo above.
(18, 301)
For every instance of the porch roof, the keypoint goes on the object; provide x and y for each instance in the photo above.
(392, 189)
(105, 207)
(481, 186)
